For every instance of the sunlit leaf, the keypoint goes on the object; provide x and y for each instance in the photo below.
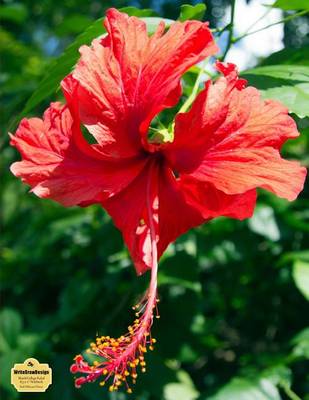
(286, 83)
(301, 277)
(289, 56)
(291, 4)
(264, 223)
(183, 390)
(188, 11)
(246, 389)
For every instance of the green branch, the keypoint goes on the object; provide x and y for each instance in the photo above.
(186, 105)
(230, 28)
(289, 18)
(288, 391)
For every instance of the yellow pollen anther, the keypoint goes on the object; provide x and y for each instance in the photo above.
(111, 388)
(126, 373)
(105, 371)
(154, 340)
(143, 363)
(134, 376)
(129, 390)
(102, 383)
(151, 348)
(143, 369)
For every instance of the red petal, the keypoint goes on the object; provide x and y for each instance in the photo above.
(213, 203)
(126, 78)
(56, 168)
(231, 138)
(171, 215)
(176, 214)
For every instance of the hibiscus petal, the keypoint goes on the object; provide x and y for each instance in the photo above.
(156, 192)
(231, 138)
(176, 214)
(56, 168)
(127, 77)
(213, 203)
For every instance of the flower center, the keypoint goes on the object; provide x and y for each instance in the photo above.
(160, 136)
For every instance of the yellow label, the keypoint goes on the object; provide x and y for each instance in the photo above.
(31, 376)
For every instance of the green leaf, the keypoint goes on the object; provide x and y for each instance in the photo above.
(301, 277)
(175, 272)
(7, 361)
(63, 65)
(14, 12)
(91, 358)
(286, 83)
(278, 375)
(264, 223)
(247, 389)
(184, 390)
(133, 11)
(73, 24)
(294, 256)
(192, 12)
(288, 56)
(291, 4)
(10, 328)
(301, 344)
(153, 22)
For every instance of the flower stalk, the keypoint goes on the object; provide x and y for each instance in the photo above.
(120, 358)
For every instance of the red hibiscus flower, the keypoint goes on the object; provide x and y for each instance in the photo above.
(219, 152)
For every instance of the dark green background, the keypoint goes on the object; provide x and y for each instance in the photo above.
(229, 304)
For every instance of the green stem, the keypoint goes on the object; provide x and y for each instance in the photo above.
(289, 18)
(259, 19)
(288, 391)
(219, 31)
(230, 31)
(193, 94)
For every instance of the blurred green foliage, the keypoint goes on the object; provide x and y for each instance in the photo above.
(234, 316)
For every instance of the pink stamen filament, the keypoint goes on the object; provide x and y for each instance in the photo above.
(122, 356)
